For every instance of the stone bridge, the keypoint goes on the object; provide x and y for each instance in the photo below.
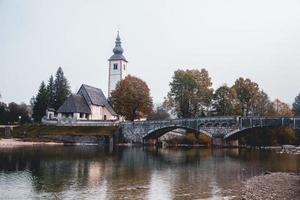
(220, 129)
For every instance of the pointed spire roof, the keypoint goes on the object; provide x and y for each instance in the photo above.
(118, 50)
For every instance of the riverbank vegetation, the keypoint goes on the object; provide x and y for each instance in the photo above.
(14, 113)
(191, 95)
(51, 95)
(35, 131)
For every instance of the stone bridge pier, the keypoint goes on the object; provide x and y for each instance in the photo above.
(222, 130)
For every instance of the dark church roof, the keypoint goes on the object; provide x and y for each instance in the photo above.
(96, 97)
(74, 104)
(118, 50)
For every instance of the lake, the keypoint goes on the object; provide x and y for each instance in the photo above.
(93, 172)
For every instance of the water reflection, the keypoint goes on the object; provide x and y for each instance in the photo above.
(91, 172)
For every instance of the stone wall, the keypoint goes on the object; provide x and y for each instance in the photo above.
(101, 140)
(75, 122)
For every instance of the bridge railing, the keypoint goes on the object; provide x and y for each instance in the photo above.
(250, 122)
(181, 120)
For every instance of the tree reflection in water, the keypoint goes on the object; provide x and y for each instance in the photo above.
(93, 172)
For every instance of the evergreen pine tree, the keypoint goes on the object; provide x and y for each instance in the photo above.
(40, 103)
(296, 106)
(51, 92)
(61, 89)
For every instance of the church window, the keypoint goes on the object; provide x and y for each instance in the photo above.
(115, 66)
(124, 66)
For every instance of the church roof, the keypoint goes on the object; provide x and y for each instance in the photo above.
(74, 104)
(118, 50)
(117, 57)
(96, 97)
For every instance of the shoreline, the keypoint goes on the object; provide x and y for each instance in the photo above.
(10, 143)
(278, 185)
(16, 142)
(13, 142)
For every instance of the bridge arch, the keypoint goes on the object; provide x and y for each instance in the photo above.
(158, 132)
(237, 132)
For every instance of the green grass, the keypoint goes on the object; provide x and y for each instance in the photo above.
(40, 130)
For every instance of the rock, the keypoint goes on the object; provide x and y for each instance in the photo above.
(272, 186)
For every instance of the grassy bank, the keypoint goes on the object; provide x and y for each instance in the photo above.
(34, 131)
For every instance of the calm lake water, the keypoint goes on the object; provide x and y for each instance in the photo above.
(91, 172)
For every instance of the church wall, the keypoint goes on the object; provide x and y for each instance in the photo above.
(109, 116)
(96, 112)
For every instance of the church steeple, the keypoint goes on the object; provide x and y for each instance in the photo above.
(117, 66)
(118, 50)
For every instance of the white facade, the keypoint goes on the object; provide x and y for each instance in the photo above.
(100, 113)
(117, 72)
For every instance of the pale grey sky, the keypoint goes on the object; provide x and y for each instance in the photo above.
(259, 39)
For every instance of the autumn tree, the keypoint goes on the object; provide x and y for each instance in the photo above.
(246, 91)
(281, 109)
(262, 105)
(131, 98)
(159, 113)
(225, 102)
(190, 93)
(296, 106)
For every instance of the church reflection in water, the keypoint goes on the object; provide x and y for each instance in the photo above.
(91, 172)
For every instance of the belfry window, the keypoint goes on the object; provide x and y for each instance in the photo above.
(115, 66)
(124, 66)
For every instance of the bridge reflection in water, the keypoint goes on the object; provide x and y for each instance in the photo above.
(222, 130)
(135, 173)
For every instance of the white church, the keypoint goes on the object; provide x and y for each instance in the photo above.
(89, 103)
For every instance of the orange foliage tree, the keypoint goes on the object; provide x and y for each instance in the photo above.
(131, 98)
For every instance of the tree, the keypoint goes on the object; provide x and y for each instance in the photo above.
(296, 106)
(61, 89)
(3, 113)
(281, 109)
(131, 98)
(225, 101)
(40, 103)
(190, 93)
(262, 105)
(159, 113)
(51, 92)
(17, 113)
(246, 91)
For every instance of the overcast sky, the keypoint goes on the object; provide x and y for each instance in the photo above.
(258, 39)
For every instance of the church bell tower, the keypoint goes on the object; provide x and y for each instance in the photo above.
(117, 66)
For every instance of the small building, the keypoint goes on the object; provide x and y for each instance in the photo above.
(88, 104)
(50, 113)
